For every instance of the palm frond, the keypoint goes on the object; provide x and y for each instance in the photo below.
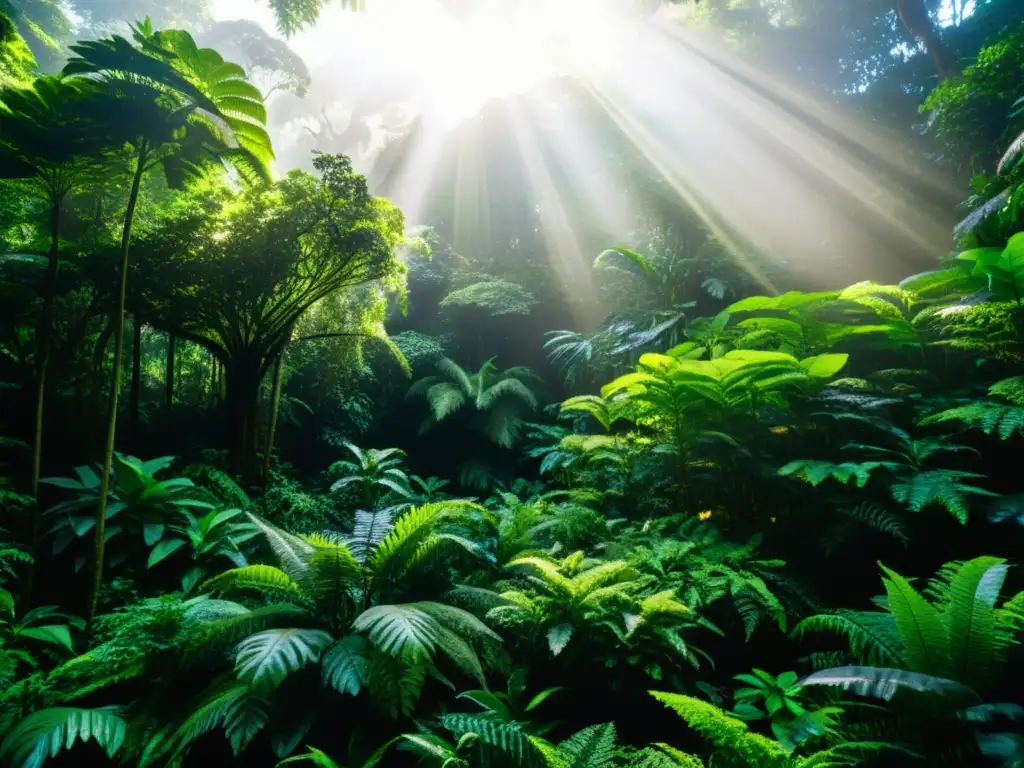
(265, 659)
(46, 732)
(346, 664)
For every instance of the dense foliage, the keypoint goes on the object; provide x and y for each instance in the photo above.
(368, 500)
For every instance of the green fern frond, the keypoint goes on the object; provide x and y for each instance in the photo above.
(346, 664)
(1011, 389)
(265, 659)
(394, 555)
(47, 732)
(404, 631)
(394, 685)
(210, 714)
(815, 472)
(592, 747)
(504, 736)
(723, 731)
(625, 260)
(509, 387)
(877, 518)
(258, 577)
(679, 759)
(872, 635)
(969, 617)
(925, 643)
(369, 530)
(292, 552)
(445, 399)
(332, 579)
(943, 487)
(999, 418)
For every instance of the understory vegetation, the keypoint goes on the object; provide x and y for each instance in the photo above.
(288, 480)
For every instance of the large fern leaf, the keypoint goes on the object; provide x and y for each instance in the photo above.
(46, 732)
(883, 682)
(394, 685)
(925, 643)
(592, 747)
(990, 417)
(404, 631)
(504, 736)
(872, 635)
(944, 487)
(209, 714)
(969, 617)
(265, 659)
(332, 579)
(346, 664)
(369, 530)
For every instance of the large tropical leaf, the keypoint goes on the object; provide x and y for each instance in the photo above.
(346, 665)
(406, 632)
(883, 682)
(46, 732)
(265, 659)
(625, 260)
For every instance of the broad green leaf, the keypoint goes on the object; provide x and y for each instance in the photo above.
(919, 625)
(164, 549)
(824, 366)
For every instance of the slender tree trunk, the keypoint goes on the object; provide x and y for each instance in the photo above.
(108, 451)
(169, 383)
(914, 16)
(275, 405)
(44, 338)
(136, 384)
(96, 377)
(212, 393)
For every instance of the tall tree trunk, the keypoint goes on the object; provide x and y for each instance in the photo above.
(914, 16)
(275, 405)
(44, 338)
(96, 378)
(243, 378)
(136, 384)
(108, 451)
(169, 376)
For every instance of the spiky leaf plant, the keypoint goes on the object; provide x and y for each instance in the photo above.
(324, 608)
